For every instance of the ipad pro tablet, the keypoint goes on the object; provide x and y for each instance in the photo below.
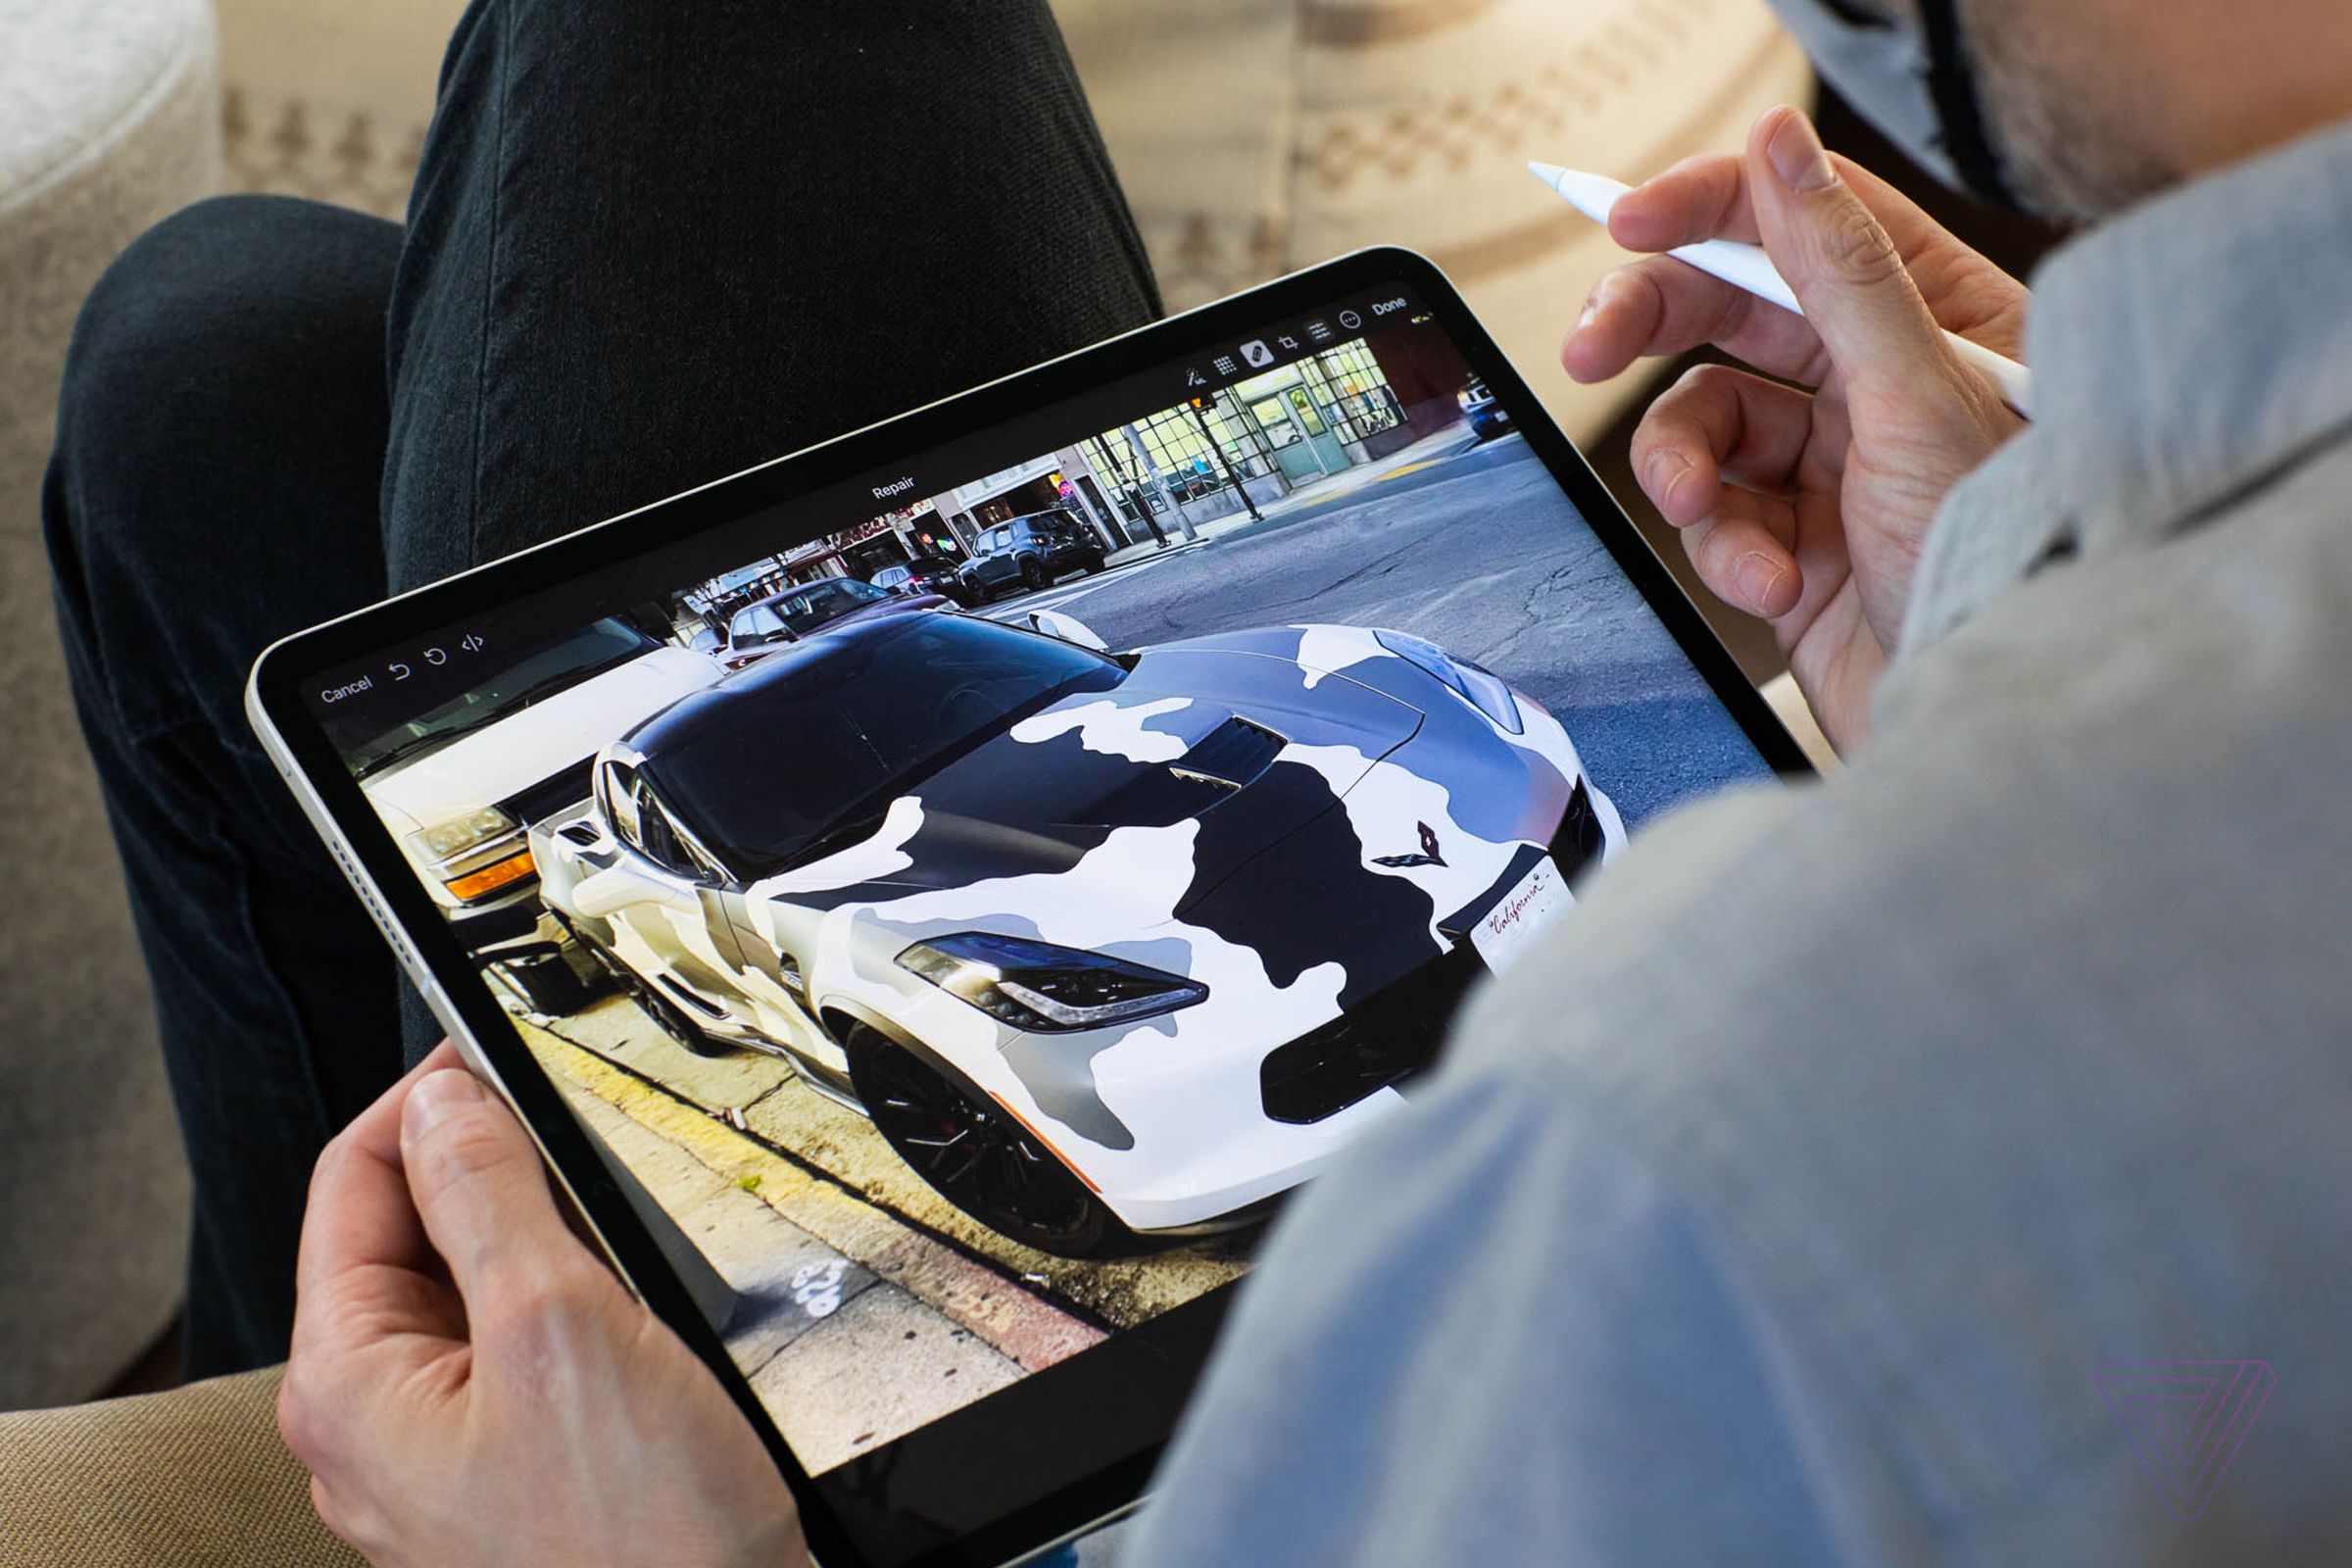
(932, 896)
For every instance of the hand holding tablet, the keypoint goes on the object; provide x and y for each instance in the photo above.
(438, 1281)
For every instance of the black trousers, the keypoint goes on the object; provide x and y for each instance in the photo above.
(650, 244)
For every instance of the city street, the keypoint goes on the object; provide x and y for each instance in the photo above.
(1472, 546)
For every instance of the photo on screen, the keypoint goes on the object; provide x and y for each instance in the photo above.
(969, 908)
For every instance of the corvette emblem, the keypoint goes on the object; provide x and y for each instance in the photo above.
(1429, 855)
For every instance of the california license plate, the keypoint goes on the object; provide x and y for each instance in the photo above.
(1504, 933)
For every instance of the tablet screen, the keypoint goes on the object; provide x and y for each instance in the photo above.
(971, 893)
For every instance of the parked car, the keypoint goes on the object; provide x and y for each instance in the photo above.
(1030, 553)
(921, 577)
(764, 625)
(1484, 410)
(1103, 944)
(461, 784)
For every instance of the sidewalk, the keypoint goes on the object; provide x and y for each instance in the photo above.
(1429, 451)
(753, 1105)
(1204, 533)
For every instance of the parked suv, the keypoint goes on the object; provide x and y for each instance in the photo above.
(1480, 406)
(1030, 553)
(923, 577)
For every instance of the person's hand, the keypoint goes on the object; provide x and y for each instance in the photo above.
(469, 1387)
(1806, 508)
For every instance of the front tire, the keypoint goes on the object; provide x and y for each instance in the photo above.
(977, 1155)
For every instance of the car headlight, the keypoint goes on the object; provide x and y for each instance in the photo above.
(1481, 688)
(1464, 398)
(1039, 987)
(446, 841)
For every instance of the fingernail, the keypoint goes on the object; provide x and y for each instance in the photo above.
(435, 1097)
(1676, 468)
(1757, 576)
(1591, 310)
(1798, 156)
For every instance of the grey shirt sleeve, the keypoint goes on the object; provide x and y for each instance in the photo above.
(1515, 1345)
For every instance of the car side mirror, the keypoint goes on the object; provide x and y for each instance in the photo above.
(613, 889)
(1069, 628)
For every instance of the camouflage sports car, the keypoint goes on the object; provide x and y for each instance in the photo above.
(1103, 944)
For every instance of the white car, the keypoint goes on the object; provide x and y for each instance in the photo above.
(460, 784)
(1103, 944)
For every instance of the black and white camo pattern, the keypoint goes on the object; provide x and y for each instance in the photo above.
(1390, 807)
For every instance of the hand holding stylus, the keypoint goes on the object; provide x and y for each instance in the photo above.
(1806, 508)
(470, 1387)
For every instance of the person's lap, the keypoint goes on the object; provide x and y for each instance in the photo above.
(649, 246)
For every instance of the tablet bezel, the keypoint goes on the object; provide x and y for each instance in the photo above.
(1154, 1363)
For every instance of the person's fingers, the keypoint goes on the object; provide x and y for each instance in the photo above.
(359, 1212)
(1658, 306)
(1716, 425)
(1707, 197)
(1964, 290)
(369, 1303)
(1841, 262)
(1699, 198)
(1742, 552)
(482, 1193)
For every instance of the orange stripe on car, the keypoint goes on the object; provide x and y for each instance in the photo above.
(1067, 1163)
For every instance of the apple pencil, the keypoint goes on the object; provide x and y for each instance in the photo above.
(1747, 266)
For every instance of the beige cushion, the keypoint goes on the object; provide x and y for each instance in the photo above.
(108, 119)
(196, 1478)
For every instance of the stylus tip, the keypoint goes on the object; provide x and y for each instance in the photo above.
(1548, 174)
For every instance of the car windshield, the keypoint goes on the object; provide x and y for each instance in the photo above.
(813, 749)
(820, 602)
(533, 676)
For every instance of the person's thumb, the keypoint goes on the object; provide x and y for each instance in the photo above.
(1841, 262)
(479, 1186)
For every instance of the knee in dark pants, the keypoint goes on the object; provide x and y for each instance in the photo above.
(221, 431)
(235, 328)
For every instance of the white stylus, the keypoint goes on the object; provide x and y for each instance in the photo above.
(1747, 266)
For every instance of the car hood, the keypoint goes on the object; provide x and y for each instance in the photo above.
(1240, 741)
(496, 759)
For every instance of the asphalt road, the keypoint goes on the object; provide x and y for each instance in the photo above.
(1478, 551)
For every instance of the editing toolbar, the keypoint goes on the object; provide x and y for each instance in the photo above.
(1295, 340)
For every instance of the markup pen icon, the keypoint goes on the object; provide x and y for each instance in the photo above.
(2187, 1419)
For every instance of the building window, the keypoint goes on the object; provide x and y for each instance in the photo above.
(1355, 396)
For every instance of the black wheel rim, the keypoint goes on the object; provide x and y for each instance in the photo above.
(976, 1155)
